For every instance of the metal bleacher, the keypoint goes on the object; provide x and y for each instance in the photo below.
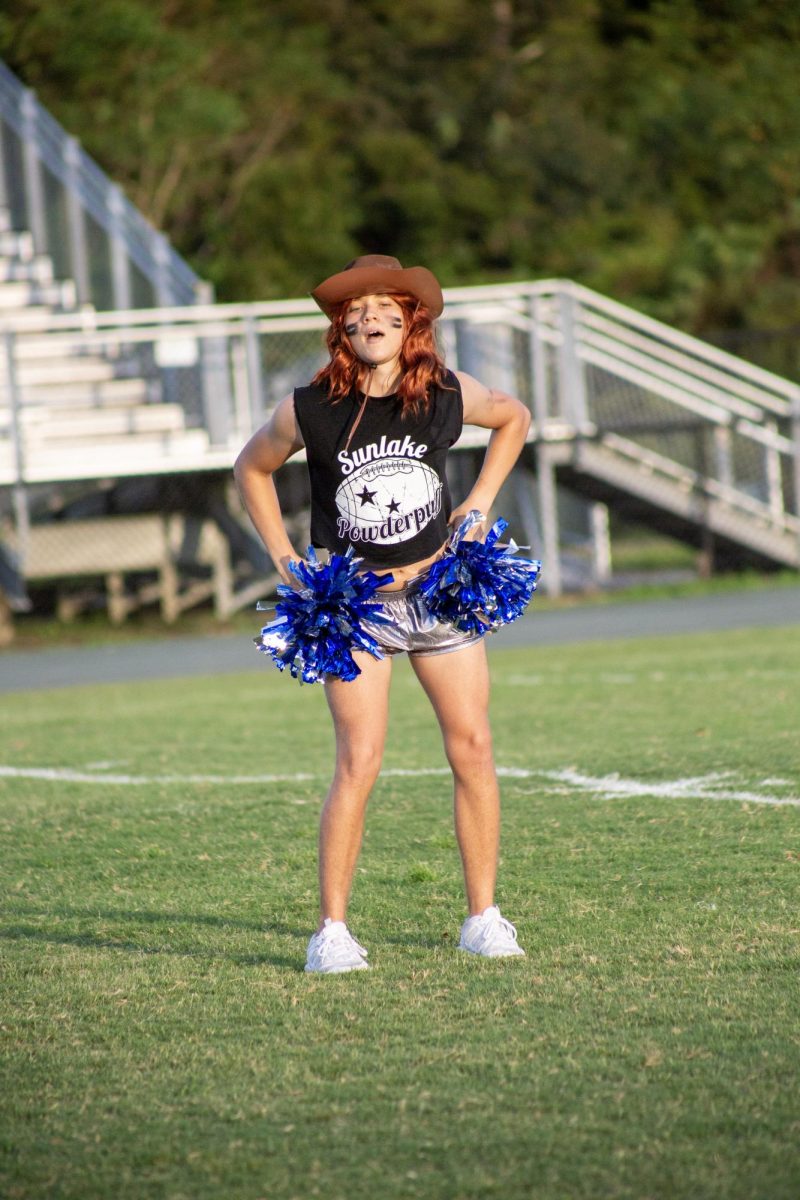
(119, 425)
(627, 412)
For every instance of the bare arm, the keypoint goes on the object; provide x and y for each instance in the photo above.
(253, 471)
(509, 420)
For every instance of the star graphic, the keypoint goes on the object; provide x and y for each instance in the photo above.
(365, 496)
(394, 506)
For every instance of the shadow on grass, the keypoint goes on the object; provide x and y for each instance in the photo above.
(21, 932)
(419, 941)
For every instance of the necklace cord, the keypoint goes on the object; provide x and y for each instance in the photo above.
(357, 421)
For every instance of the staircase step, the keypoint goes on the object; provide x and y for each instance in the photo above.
(36, 270)
(19, 294)
(43, 426)
(32, 317)
(109, 455)
(764, 535)
(105, 393)
(16, 244)
(137, 454)
(73, 370)
(55, 349)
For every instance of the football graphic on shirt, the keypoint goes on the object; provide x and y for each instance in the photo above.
(388, 501)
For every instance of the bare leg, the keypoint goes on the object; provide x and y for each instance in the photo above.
(360, 711)
(457, 686)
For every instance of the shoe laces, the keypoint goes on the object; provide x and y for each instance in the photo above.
(332, 940)
(493, 920)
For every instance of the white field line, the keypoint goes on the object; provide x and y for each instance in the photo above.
(716, 786)
(68, 775)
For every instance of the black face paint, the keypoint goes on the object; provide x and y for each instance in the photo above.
(350, 330)
(397, 322)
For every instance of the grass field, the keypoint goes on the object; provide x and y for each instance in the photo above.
(160, 1040)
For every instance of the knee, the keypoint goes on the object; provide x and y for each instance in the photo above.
(470, 750)
(358, 766)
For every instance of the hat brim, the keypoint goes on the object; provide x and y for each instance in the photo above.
(380, 281)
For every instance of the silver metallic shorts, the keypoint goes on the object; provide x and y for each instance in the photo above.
(413, 630)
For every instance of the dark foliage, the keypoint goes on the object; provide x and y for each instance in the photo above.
(647, 148)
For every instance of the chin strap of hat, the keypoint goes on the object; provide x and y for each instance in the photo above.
(357, 421)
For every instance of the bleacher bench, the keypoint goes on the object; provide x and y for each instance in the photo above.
(114, 547)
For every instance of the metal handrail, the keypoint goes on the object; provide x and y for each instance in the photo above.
(89, 193)
(711, 365)
(689, 477)
(667, 357)
(678, 385)
(692, 346)
(695, 381)
(596, 376)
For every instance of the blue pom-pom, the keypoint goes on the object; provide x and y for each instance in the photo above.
(318, 626)
(479, 586)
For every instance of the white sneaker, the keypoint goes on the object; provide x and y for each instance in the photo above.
(491, 935)
(334, 950)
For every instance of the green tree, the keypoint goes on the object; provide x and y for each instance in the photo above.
(647, 148)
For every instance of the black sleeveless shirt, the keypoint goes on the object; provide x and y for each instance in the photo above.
(382, 490)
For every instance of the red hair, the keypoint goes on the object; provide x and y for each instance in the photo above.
(421, 364)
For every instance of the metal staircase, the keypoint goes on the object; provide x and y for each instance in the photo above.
(65, 403)
(636, 414)
(628, 413)
(111, 369)
(706, 439)
(76, 216)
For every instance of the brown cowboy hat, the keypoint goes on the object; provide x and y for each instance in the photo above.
(378, 274)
